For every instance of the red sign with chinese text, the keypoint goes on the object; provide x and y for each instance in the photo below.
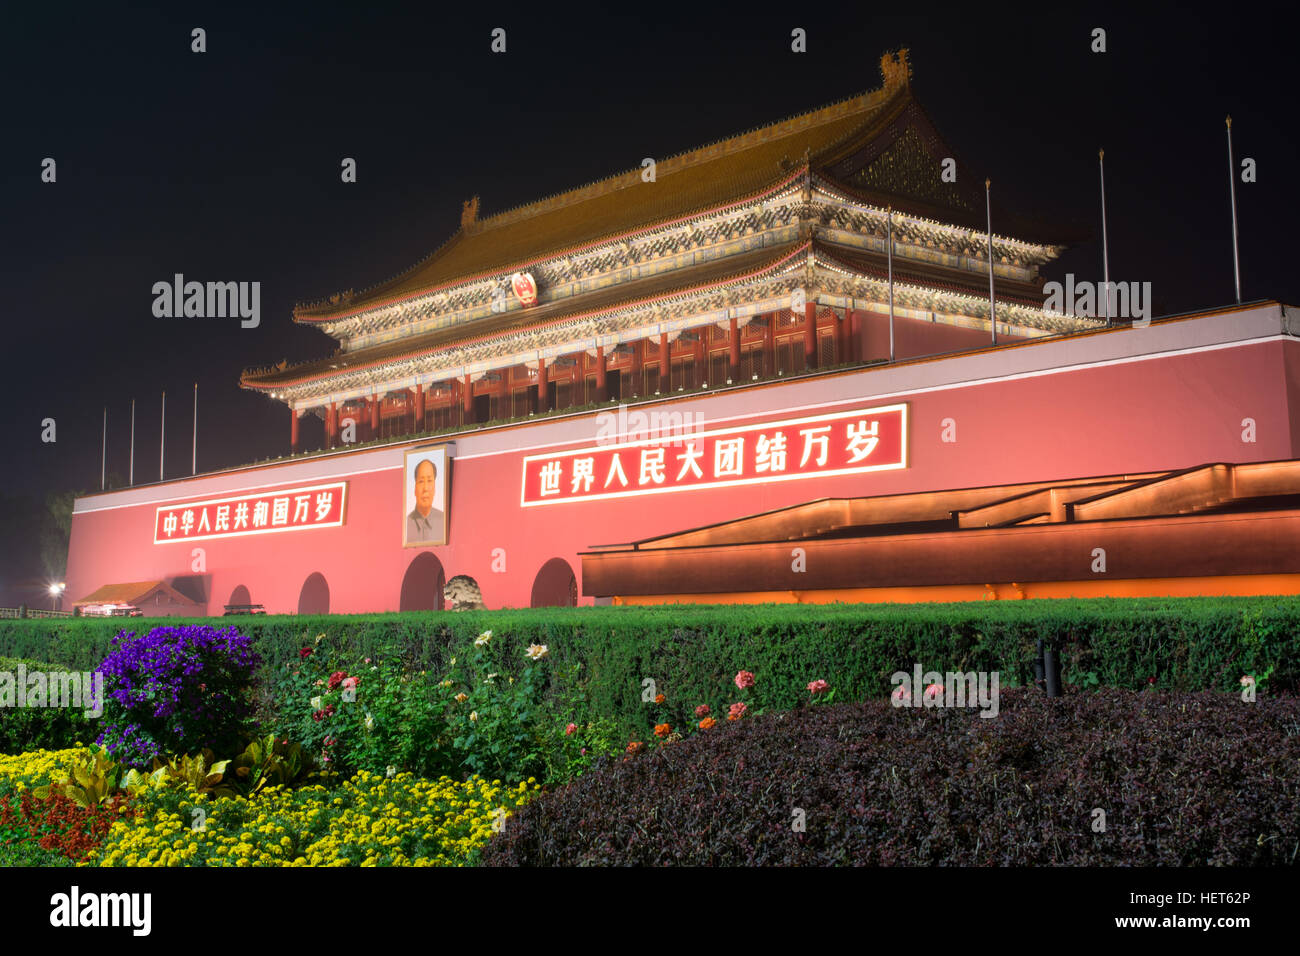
(294, 509)
(842, 443)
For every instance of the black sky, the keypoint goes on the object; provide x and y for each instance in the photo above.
(225, 165)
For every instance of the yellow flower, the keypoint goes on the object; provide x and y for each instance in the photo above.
(537, 651)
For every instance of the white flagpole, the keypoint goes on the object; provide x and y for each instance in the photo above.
(162, 443)
(1232, 187)
(889, 247)
(988, 211)
(131, 479)
(103, 453)
(1105, 249)
(194, 451)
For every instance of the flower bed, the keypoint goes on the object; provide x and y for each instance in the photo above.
(368, 820)
(371, 820)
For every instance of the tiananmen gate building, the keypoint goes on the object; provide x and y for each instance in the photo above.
(766, 369)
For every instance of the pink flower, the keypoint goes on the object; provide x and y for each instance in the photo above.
(349, 683)
(584, 751)
(934, 692)
(818, 687)
(319, 683)
(1247, 681)
(737, 711)
(901, 694)
(367, 660)
(744, 679)
(702, 710)
(570, 729)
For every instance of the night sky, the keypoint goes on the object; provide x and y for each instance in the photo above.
(225, 166)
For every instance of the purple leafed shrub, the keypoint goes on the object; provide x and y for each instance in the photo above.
(1183, 780)
(176, 690)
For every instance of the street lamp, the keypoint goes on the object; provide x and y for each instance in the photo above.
(56, 592)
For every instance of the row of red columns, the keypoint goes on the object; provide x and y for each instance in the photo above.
(843, 347)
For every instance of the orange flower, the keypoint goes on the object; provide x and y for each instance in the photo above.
(660, 698)
(662, 730)
(635, 747)
(706, 723)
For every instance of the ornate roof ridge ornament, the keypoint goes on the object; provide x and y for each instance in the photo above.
(469, 214)
(895, 70)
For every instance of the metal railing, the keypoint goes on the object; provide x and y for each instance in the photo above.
(31, 612)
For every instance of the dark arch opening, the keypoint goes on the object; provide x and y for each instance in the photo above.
(555, 585)
(315, 595)
(422, 584)
(240, 595)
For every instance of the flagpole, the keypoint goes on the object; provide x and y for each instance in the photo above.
(103, 453)
(1232, 188)
(988, 211)
(889, 248)
(1105, 249)
(162, 443)
(194, 451)
(131, 479)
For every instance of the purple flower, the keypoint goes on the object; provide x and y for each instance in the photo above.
(176, 689)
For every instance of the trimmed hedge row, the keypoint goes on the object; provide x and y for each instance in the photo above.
(689, 651)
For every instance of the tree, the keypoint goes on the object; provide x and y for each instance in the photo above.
(56, 532)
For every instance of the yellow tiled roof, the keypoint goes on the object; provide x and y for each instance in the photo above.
(689, 183)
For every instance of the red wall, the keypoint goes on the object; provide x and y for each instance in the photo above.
(1018, 417)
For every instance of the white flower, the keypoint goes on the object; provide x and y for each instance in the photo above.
(490, 679)
(370, 722)
(473, 715)
(537, 651)
(315, 703)
(481, 640)
(391, 772)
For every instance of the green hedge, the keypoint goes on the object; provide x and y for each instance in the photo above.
(692, 651)
(41, 728)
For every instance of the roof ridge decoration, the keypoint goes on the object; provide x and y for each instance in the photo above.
(469, 214)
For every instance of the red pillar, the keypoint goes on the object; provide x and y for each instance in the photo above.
(469, 401)
(419, 408)
(810, 334)
(331, 424)
(601, 393)
(769, 345)
(636, 368)
(665, 364)
(293, 430)
(733, 340)
(374, 416)
(701, 351)
(543, 390)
